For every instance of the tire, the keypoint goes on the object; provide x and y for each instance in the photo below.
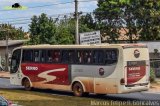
(78, 90)
(27, 85)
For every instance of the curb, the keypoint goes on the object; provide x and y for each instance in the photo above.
(5, 77)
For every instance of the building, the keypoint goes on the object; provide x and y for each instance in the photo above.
(122, 38)
(11, 45)
(154, 54)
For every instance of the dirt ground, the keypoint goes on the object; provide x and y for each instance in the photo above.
(4, 74)
(155, 87)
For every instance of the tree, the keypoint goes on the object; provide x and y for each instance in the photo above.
(88, 21)
(42, 30)
(108, 18)
(66, 31)
(45, 30)
(136, 17)
(12, 32)
(148, 12)
(142, 18)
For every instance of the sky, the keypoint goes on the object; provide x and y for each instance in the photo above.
(13, 15)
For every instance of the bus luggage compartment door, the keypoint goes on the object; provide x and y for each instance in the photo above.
(104, 86)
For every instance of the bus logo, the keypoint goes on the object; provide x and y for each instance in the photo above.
(101, 71)
(48, 77)
(136, 53)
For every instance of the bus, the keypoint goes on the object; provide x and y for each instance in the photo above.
(82, 69)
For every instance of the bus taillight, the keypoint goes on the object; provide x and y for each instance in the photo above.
(122, 81)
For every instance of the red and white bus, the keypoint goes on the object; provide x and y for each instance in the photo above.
(83, 69)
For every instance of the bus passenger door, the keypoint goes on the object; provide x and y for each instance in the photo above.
(15, 68)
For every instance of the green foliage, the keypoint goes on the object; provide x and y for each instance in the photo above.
(12, 32)
(152, 75)
(65, 32)
(45, 30)
(87, 21)
(139, 17)
(107, 15)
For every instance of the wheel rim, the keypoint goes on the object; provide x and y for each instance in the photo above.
(27, 84)
(78, 90)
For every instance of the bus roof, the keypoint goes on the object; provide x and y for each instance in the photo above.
(83, 46)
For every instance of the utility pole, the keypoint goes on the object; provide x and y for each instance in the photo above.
(6, 54)
(77, 21)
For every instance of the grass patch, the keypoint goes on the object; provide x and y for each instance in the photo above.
(40, 98)
(34, 98)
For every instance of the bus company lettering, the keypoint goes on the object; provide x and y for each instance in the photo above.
(31, 68)
(134, 68)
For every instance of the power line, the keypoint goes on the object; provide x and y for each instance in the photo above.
(88, 0)
(48, 5)
(29, 21)
(18, 19)
(53, 16)
(26, 18)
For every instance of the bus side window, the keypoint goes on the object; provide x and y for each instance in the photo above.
(71, 56)
(68, 56)
(80, 56)
(87, 56)
(43, 55)
(50, 56)
(56, 56)
(65, 56)
(111, 56)
(98, 56)
(27, 56)
(36, 56)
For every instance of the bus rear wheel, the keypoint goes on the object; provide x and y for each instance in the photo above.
(27, 85)
(78, 89)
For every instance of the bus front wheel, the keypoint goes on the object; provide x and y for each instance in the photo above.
(27, 85)
(78, 89)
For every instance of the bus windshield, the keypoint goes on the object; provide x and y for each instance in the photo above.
(15, 61)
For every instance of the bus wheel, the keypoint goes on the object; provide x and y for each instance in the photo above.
(78, 89)
(27, 85)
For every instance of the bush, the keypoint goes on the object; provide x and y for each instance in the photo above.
(152, 75)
